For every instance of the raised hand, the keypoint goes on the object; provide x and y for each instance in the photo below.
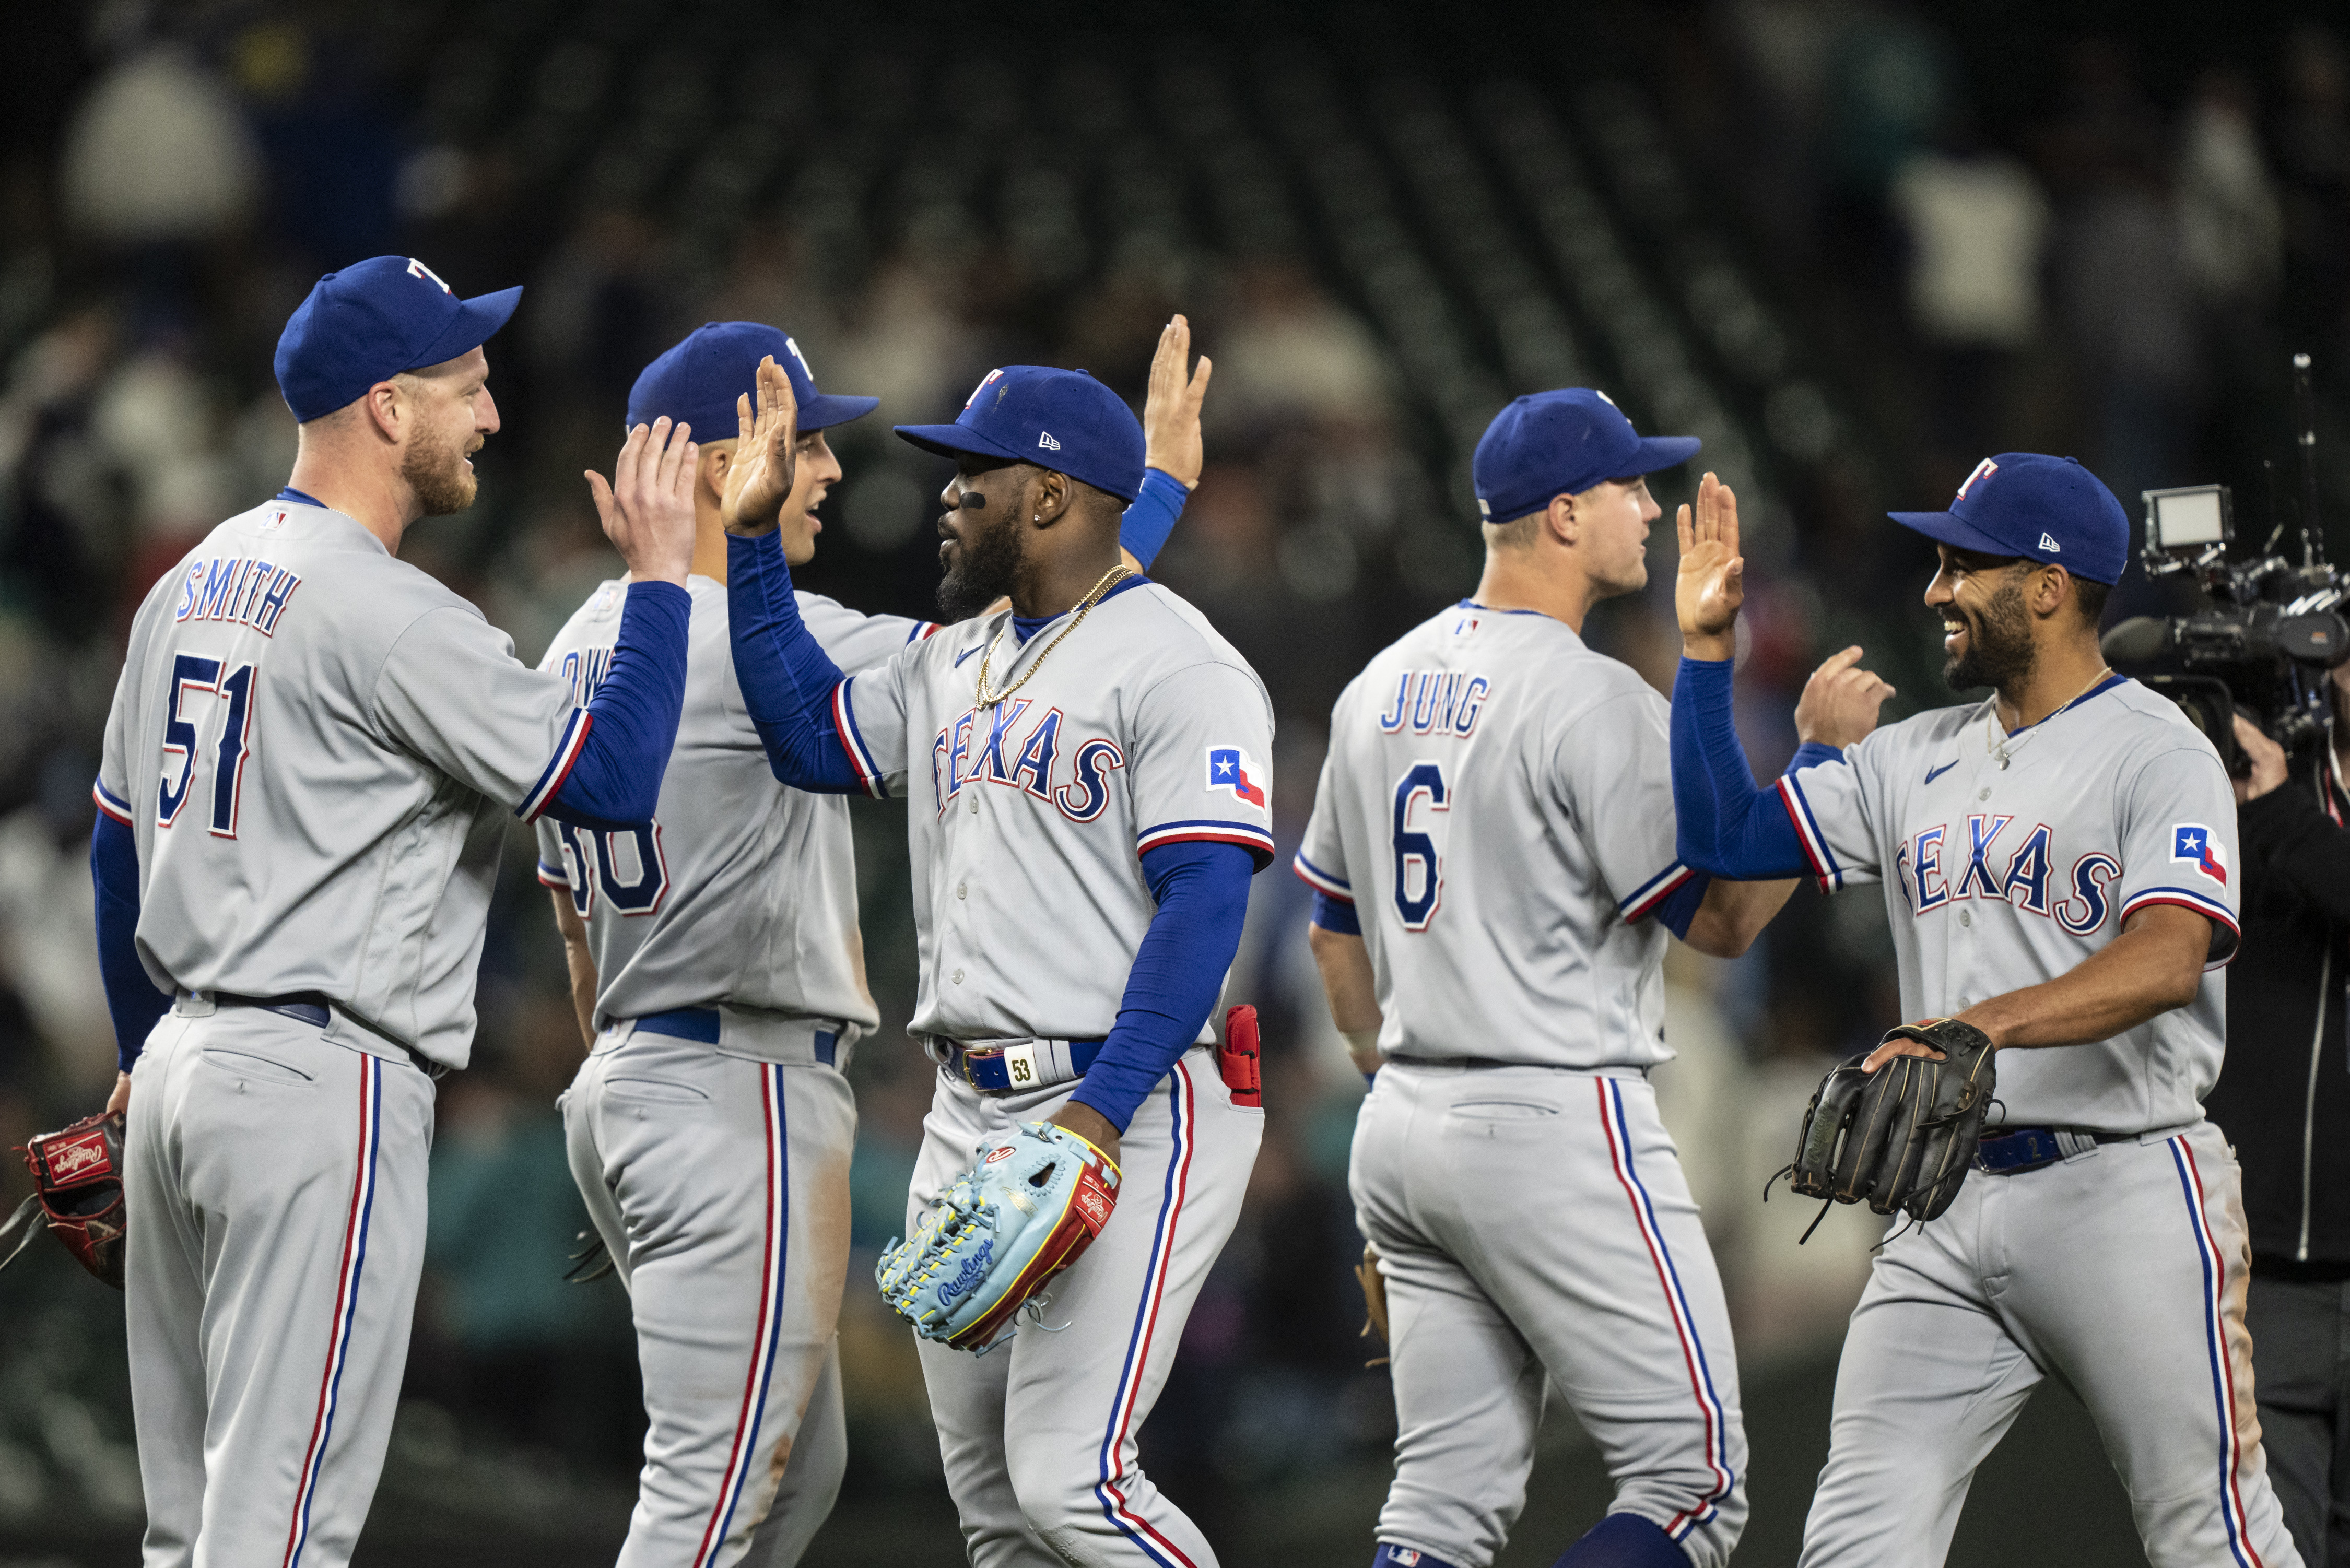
(767, 448)
(648, 507)
(1170, 413)
(1840, 703)
(1712, 582)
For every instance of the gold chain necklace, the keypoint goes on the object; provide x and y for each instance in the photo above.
(989, 700)
(1998, 741)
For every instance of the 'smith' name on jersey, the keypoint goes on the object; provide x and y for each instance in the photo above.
(242, 589)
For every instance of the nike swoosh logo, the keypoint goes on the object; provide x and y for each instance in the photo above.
(1933, 774)
(966, 653)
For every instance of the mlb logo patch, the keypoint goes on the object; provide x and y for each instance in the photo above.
(2192, 842)
(1228, 768)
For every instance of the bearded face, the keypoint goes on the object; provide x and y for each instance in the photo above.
(1989, 644)
(436, 468)
(983, 561)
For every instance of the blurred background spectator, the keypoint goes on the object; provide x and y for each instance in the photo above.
(1854, 245)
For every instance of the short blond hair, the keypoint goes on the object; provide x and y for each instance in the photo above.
(1517, 533)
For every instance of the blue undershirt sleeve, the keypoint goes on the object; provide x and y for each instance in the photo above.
(1723, 824)
(1682, 905)
(1335, 915)
(131, 998)
(787, 680)
(630, 724)
(1203, 892)
(1144, 528)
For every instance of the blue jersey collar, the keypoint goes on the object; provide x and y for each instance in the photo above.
(1024, 627)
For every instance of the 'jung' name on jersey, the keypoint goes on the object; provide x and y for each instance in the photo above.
(1436, 702)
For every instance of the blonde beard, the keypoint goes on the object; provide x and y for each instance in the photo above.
(442, 483)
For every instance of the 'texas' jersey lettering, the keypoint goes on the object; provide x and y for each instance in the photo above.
(1013, 745)
(1981, 860)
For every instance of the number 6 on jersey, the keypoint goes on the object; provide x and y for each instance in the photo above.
(1416, 849)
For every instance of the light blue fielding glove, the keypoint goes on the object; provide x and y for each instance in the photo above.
(1023, 1213)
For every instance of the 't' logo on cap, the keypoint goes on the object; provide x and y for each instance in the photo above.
(417, 269)
(1984, 470)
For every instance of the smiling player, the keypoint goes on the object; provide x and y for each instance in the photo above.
(2055, 861)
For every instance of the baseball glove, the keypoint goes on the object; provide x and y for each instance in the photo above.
(1902, 1137)
(77, 1188)
(1023, 1213)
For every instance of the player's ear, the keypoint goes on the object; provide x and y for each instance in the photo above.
(1049, 499)
(2049, 594)
(1562, 521)
(717, 458)
(387, 407)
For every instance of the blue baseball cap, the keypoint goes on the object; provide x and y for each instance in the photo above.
(368, 323)
(1562, 443)
(697, 382)
(1061, 419)
(2045, 509)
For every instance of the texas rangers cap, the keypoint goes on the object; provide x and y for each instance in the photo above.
(2045, 509)
(1061, 419)
(368, 323)
(1562, 443)
(697, 382)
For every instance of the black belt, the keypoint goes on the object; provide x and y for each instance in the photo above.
(2011, 1151)
(313, 1008)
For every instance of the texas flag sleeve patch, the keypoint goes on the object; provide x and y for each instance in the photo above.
(1228, 768)
(2192, 842)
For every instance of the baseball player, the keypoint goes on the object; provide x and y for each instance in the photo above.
(2058, 864)
(716, 964)
(1492, 861)
(1089, 799)
(311, 752)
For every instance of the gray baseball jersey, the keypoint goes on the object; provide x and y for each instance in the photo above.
(1027, 819)
(317, 745)
(717, 1171)
(1488, 775)
(740, 890)
(1497, 805)
(1998, 878)
(2007, 861)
